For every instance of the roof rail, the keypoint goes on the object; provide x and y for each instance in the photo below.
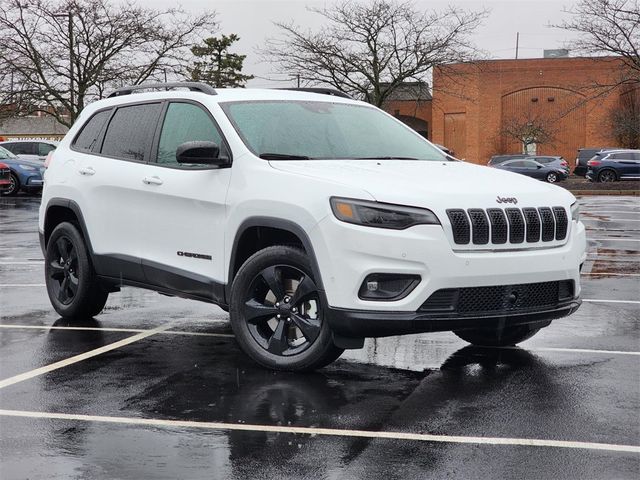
(193, 86)
(322, 90)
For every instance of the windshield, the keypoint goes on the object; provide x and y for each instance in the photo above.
(5, 154)
(301, 130)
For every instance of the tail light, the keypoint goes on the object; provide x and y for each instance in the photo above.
(564, 163)
(3, 166)
(593, 163)
(47, 161)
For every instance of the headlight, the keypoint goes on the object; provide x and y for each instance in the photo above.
(575, 212)
(381, 215)
(26, 167)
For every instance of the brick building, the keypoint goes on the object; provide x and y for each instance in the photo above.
(473, 104)
(411, 103)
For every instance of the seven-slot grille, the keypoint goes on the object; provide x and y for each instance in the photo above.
(516, 225)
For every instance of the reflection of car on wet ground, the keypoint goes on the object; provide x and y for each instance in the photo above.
(25, 175)
(317, 240)
(531, 168)
(614, 165)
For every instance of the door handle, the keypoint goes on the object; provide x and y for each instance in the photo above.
(88, 171)
(152, 180)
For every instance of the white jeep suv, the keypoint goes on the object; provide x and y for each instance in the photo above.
(314, 219)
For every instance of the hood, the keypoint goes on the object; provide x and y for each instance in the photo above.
(433, 185)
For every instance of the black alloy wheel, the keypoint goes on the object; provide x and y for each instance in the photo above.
(72, 285)
(63, 270)
(278, 313)
(283, 310)
(607, 176)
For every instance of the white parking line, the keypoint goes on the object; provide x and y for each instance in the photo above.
(22, 285)
(331, 432)
(593, 300)
(108, 329)
(83, 356)
(229, 335)
(35, 262)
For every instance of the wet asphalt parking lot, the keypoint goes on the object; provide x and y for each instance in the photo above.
(155, 387)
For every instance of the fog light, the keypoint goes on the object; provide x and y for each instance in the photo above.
(387, 286)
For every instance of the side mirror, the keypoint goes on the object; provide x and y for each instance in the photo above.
(207, 153)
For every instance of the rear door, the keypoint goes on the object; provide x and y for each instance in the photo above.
(184, 223)
(112, 174)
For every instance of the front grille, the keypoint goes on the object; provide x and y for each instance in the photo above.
(499, 299)
(512, 225)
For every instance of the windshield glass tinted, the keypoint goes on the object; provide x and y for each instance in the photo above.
(324, 130)
(6, 154)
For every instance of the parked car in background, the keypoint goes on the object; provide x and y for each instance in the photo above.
(584, 155)
(26, 175)
(614, 165)
(30, 149)
(551, 173)
(547, 160)
(5, 177)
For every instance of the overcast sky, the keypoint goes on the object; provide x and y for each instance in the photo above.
(253, 21)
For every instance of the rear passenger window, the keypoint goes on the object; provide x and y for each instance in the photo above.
(130, 132)
(45, 148)
(185, 122)
(22, 148)
(88, 136)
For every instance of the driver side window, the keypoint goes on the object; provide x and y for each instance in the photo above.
(185, 122)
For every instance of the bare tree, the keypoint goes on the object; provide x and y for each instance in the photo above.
(529, 129)
(610, 27)
(367, 49)
(64, 53)
(625, 119)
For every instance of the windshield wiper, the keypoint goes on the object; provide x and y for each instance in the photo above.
(385, 158)
(282, 156)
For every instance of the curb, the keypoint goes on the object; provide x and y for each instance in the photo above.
(634, 193)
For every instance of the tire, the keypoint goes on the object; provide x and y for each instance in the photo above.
(607, 176)
(278, 314)
(505, 337)
(552, 177)
(72, 285)
(14, 188)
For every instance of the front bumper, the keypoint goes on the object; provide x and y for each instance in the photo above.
(364, 323)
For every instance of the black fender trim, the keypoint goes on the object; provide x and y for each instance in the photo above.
(75, 208)
(282, 224)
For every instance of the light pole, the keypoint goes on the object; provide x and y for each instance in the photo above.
(69, 15)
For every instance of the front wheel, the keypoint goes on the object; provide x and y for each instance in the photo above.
(504, 337)
(278, 314)
(14, 186)
(71, 282)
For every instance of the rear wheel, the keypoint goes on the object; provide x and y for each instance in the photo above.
(607, 176)
(552, 177)
(497, 337)
(14, 186)
(71, 281)
(278, 314)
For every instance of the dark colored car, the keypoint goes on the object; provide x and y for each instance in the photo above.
(5, 177)
(547, 160)
(614, 165)
(584, 155)
(24, 175)
(531, 168)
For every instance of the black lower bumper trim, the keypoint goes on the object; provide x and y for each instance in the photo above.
(365, 323)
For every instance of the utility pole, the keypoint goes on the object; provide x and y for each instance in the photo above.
(69, 15)
(517, 43)
(298, 79)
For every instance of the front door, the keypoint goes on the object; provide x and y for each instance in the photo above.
(184, 220)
